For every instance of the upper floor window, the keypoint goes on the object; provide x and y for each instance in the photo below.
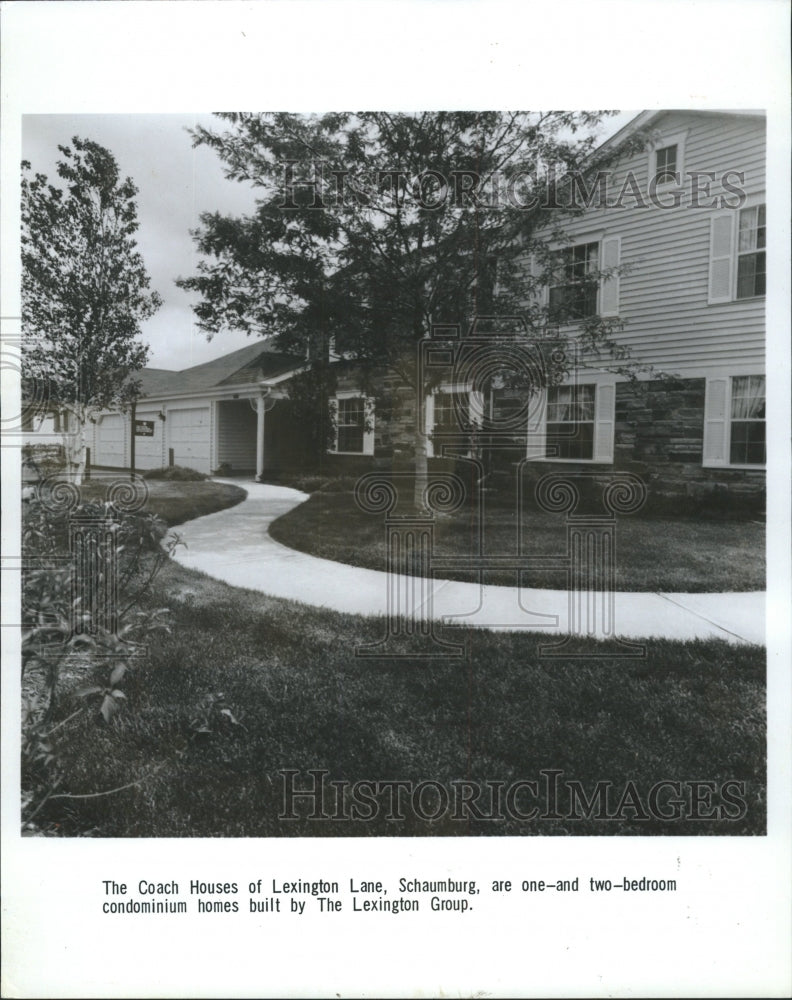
(574, 296)
(751, 262)
(738, 265)
(666, 164)
(667, 161)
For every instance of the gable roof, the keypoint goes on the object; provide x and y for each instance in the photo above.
(247, 365)
(646, 118)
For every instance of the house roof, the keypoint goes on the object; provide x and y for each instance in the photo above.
(646, 118)
(247, 365)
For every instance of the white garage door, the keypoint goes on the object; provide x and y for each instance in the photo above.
(110, 441)
(188, 435)
(148, 442)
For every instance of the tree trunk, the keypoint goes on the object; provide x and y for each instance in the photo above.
(74, 445)
(421, 459)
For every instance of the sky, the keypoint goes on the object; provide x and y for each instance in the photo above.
(176, 183)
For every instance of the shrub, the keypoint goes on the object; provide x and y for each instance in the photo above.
(175, 473)
(80, 631)
(340, 484)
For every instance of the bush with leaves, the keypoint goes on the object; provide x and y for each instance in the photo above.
(82, 630)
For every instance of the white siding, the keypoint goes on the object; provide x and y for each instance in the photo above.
(664, 295)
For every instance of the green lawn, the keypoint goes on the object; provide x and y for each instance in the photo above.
(653, 553)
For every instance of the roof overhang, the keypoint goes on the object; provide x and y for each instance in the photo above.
(240, 389)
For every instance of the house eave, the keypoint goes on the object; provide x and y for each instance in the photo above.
(247, 389)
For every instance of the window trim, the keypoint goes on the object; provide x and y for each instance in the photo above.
(577, 244)
(663, 142)
(733, 216)
(608, 289)
(718, 429)
(755, 251)
(475, 407)
(604, 417)
(368, 419)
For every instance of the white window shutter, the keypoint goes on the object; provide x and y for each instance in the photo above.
(537, 425)
(721, 257)
(429, 423)
(539, 292)
(476, 404)
(368, 434)
(716, 422)
(334, 417)
(604, 423)
(609, 289)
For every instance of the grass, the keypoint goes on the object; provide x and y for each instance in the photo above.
(175, 502)
(245, 687)
(654, 553)
(303, 700)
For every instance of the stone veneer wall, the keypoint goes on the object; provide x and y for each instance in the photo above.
(659, 436)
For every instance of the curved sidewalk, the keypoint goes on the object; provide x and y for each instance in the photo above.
(234, 545)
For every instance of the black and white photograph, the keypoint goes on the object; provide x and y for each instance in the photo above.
(488, 474)
(394, 526)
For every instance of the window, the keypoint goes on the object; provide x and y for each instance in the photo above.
(666, 164)
(747, 444)
(751, 235)
(575, 295)
(737, 254)
(570, 422)
(734, 421)
(351, 423)
(450, 411)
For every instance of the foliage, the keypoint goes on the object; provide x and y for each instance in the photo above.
(176, 473)
(71, 631)
(310, 395)
(213, 716)
(85, 290)
(367, 237)
(373, 266)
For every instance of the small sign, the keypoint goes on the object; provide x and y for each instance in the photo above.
(144, 428)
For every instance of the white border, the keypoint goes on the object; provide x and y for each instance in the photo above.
(729, 933)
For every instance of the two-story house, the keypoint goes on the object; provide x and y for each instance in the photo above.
(677, 235)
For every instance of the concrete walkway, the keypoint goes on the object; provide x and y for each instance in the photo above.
(234, 545)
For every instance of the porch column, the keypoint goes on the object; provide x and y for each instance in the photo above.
(259, 436)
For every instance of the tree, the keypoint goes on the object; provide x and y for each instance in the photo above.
(373, 229)
(85, 290)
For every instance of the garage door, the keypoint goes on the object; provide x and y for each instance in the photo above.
(188, 435)
(148, 440)
(110, 441)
